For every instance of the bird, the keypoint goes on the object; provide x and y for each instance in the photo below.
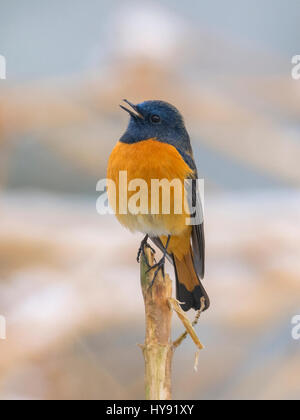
(157, 146)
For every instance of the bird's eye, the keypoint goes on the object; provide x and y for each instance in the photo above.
(155, 119)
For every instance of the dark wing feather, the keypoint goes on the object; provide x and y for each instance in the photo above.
(198, 239)
(198, 247)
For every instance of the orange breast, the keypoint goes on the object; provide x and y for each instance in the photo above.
(149, 160)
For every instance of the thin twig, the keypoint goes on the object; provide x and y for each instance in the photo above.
(179, 340)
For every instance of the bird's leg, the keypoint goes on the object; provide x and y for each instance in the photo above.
(141, 250)
(161, 263)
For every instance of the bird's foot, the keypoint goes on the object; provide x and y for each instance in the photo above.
(141, 250)
(158, 266)
(161, 264)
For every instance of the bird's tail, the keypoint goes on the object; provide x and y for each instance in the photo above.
(189, 289)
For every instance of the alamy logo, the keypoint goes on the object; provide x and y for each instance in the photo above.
(2, 328)
(2, 67)
(160, 196)
(296, 68)
(296, 328)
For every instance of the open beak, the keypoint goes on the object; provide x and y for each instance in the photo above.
(134, 112)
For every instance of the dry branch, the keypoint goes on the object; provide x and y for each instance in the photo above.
(158, 348)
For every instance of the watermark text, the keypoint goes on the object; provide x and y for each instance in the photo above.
(2, 67)
(2, 328)
(152, 197)
(296, 67)
(296, 328)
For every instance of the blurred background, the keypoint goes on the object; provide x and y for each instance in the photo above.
(69, 282)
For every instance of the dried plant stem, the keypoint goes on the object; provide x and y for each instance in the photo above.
(195, 322)
(158, 348)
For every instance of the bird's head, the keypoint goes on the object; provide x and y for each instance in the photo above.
(155, 120)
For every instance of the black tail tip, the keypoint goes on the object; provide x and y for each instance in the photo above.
(192, 300)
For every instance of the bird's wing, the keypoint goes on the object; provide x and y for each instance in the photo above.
(197, 237)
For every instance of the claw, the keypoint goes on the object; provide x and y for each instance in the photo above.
(141, 250)
(160, 265)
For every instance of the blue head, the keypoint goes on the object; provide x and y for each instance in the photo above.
(156, 120)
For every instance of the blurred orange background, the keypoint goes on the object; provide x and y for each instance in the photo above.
(69, 281)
